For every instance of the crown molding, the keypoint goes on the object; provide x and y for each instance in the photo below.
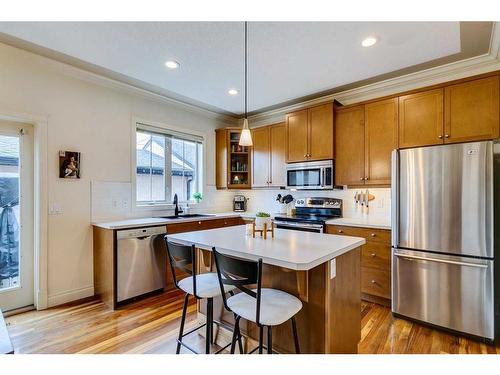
(73, 71)
(460, 69)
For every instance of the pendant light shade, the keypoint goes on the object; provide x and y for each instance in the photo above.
(246, 136)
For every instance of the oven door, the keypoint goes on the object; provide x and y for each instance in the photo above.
(303, 227)
(305, 178)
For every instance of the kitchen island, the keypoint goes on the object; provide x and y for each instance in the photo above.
(322, 270)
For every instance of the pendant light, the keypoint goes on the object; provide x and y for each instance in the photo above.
(246, 136)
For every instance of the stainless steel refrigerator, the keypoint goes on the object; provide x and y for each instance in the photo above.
(443, 220)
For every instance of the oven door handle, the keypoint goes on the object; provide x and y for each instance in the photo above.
(298, 225)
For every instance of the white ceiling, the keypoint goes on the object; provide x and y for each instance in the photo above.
(287, 60)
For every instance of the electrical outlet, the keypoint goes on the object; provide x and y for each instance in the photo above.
(55, 209)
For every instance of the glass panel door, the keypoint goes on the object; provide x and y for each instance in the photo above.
(16, 216)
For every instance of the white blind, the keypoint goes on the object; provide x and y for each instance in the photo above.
(170, 133)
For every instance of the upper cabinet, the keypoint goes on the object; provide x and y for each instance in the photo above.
(471, 111)
(365, 136)
(268, 156)
(233, 162)
(309, 134)
(297, 136)
(278, 157)
(421, 119)
(463, 112)
(350, 146)
(320, 132)
(381, 137)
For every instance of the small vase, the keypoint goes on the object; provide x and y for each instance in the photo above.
(260, 221)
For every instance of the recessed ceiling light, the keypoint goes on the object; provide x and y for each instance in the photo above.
(369, 41)
(232, 92)
(172, 64)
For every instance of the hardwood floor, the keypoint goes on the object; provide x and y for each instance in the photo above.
(150, 326)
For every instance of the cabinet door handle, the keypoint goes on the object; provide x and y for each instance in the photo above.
(447, 136)
(373, 255)
(374, 282)
(440, 136)
(366, 178)
(362, 179)
(373, 235)
(341, 231)
(199, 222)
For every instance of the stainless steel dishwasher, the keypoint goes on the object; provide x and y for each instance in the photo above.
(140, 262)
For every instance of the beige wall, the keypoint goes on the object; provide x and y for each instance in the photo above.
(96, 120)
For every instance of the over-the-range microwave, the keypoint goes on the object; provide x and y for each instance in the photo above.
(311, 175)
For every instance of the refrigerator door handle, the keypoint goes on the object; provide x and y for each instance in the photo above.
(410, 257)
(395, 198)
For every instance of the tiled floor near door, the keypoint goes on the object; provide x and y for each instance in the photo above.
(150, 326)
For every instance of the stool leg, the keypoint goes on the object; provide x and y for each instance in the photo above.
(208, 332)
(240, 344)
(269, 340)
(183, 319)
(295, 336)
(235, 333)
(261, 339)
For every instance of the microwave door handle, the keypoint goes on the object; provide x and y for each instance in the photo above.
(323, 178)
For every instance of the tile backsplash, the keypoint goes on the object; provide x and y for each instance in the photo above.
(112, 201)
(265, 200)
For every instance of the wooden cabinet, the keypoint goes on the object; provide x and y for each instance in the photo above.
(365, 136)
(221, 156)
(309, 134)
(268, 163)
(320, 120)
(421, 119)
(472, 111)
(233, 162)
(192, 226)
(464, 112)
(375, 261)
(278, 157)
(297, 136)
(381, 137)
(261, 158)
(350, 146)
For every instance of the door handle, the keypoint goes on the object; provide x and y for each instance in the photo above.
(447, 136)
(411, 257)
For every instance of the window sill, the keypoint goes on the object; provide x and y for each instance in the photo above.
(163, 206)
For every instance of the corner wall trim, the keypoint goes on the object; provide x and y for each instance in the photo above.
(70, 295)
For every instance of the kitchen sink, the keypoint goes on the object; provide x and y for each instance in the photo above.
(187, 216)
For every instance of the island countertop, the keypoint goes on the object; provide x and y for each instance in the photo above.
(296, 250)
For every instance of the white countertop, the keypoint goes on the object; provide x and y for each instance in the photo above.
(153, 221)
(290, 249)
(364, 222)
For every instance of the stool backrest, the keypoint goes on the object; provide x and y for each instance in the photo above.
(240, 273)
(183, 258)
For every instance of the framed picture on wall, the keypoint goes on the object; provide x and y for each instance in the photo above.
(69, 164)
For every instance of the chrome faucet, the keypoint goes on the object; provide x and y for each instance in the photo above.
(177, 210)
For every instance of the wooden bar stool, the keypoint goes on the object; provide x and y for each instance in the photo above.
(201, 286)
(264, 306)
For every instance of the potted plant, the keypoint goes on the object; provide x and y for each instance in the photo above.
(198, 197)
(262, 218)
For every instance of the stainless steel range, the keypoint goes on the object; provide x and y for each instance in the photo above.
(311, 214)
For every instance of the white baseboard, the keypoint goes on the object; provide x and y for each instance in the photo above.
(70, 295)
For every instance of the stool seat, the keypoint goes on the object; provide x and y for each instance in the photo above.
(207, 285)
(276, 306)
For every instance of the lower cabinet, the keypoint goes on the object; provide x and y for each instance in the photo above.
(375, 261)
(192, 226)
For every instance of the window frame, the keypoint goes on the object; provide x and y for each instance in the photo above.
(161, 128)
